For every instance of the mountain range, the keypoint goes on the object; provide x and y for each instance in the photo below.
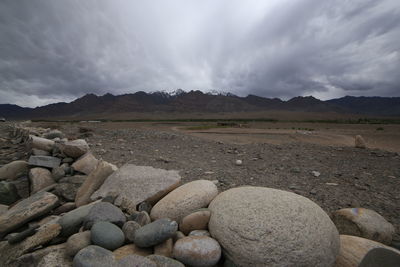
(197, 101)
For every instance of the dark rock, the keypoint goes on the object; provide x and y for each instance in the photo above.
(145, 206)
(66, 191)
(379, 257)
(72, 221)
(68, 187)
(8, 193)
(106, 212)
(57, 173)
(155, 233)
(66, 207)
(22, 185)
(22, 235)
(107, 235)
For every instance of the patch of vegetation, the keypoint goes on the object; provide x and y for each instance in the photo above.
(380, 129)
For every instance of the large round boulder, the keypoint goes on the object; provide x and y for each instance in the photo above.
(184, 200)
(258, 226)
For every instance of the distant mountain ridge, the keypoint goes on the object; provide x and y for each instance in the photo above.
(197, 101)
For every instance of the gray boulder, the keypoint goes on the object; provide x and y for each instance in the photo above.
(107, 235)
(106, 212)
(155, 233)
(75, 148)
(94, 256)
(258, 226)
(184, 200)
(68, 186)
(72, 221)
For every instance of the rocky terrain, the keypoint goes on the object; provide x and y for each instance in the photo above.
(87, 195)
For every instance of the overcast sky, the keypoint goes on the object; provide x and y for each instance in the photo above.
(54, 51)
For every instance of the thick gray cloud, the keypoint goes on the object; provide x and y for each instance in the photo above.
(59, 50)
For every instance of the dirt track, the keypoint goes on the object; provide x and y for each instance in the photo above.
(350, 177)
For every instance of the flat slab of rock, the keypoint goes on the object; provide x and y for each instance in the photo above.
(57, 258)
(27, 210)
(259, 226)
(364, 223)
(85, 164)
(13, 170)
(93, 182)
(184, 200)
(75, 148)
(40, 178)
(133, 184)
(43, 236)
(44, 161)
(353, 249)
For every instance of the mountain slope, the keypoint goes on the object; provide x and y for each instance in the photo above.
(197, 101)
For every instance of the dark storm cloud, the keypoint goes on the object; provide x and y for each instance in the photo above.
(58, 50)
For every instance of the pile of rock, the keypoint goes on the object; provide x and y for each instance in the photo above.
(77, 210)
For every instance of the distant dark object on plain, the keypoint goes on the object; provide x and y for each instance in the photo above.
(2, 119)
